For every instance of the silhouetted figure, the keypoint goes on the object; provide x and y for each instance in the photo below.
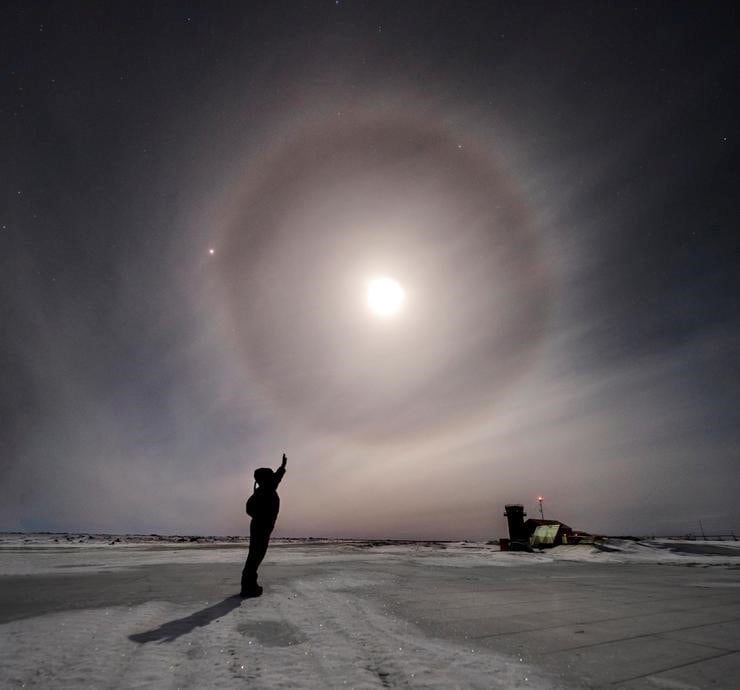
(263, 507)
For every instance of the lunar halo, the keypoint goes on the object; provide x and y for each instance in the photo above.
(334, 199)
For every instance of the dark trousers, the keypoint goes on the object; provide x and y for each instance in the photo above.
(259, 539)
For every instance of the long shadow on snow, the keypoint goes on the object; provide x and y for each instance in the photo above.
(170, 631)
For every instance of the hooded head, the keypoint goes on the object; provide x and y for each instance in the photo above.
(265, 477)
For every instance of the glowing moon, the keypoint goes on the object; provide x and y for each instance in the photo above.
(385, 296)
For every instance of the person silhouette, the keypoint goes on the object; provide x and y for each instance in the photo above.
(263, 507)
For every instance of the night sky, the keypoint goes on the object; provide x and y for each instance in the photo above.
(193, 197)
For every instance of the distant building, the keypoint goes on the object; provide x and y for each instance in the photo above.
(524, 534)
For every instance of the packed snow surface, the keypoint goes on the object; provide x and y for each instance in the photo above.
(321, 627)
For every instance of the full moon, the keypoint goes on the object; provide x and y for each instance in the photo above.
(385, 296)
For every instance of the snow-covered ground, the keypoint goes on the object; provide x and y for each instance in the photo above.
(47, 553)
(315, 635)
(324, 621)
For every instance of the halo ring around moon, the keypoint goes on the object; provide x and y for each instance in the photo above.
(391, 195)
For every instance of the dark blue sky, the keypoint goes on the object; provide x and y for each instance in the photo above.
(555, 185)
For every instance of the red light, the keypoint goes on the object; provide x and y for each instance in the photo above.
(539, 498)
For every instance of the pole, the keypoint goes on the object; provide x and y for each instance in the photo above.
(542, 514)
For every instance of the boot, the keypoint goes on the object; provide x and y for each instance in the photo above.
(250, 591)
(250, 588)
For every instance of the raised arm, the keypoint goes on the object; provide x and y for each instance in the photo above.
(281, 470)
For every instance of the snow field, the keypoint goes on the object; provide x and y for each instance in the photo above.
(315, 633)
(327, 618)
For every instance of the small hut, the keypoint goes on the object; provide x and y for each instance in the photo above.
(525, 534)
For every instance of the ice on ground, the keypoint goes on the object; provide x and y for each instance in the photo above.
(35, 554)
(309, 630)
(316, 633)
